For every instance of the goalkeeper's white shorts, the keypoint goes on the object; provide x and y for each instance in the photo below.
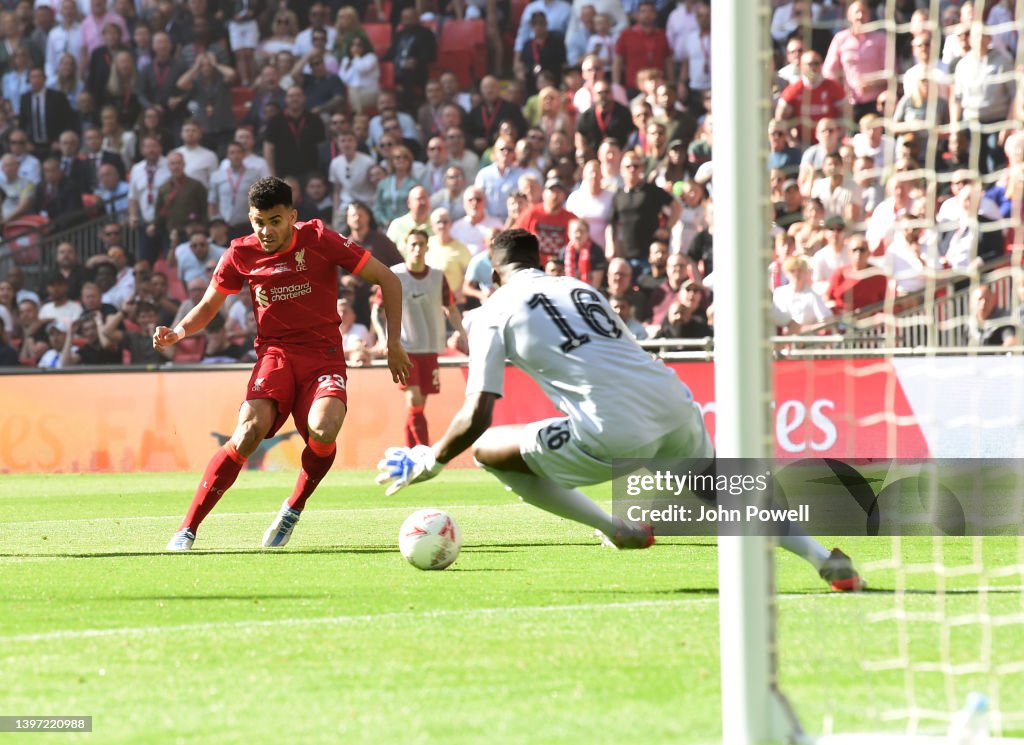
(550, 449)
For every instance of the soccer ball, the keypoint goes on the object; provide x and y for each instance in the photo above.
(429, 539)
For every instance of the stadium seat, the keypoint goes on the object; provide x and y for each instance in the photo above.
(190, 350)
(23, 235)
(516, 8)
(467, 36)
(457, 61)
(387, 75)
(175, 288)
(380, 37)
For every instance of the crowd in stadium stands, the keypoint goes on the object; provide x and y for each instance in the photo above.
(893, 145)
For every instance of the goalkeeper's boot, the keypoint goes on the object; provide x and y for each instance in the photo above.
(182, 540)
(629, 535)
(839, 572)
(280, 530)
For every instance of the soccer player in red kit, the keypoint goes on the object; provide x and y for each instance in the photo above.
(291, 268)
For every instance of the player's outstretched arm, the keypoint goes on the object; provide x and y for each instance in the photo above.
(195, 320)
(391, 300)
(403, 466)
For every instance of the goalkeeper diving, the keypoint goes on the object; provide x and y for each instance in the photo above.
(618, 402)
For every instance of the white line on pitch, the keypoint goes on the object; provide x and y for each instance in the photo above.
(257, 513)
(373, 617)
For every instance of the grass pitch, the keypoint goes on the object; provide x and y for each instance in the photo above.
(536, 633)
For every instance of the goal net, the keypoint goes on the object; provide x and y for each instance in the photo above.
(933, 372)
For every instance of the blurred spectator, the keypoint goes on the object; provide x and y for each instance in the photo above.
(695, 61)
(9, 308)
(831, 255)
(804, 103)
(325, 91)
(241, 319)
(681, 322)
(229, 189)
(387, 108)
(356, 339)
(621, 284)
(359, 70)
(144, 182)
(196, 258)
(483, 121)
(317, 203)
(350, 175)
(95, 156)
(609, 155)
(501, 177)
(789, 73)
(219, 347)
(16, 277)
(59, 351)
(66, 80)
(545, 51)
(34, 339)
(809, 233)
(858, 284)
(8, 354)
(179, 201)
(100, 62)
(363, 229)
(413, 48)
(795, 304)
(830, 137)
(856, 56)
(17, 192)
(780, 154)
(207, 87)
(983, 93)
(111, 191)
(29, 166)
(973, 243)
(15, 82)
(392, 195)
(429, 115)
(95, 23)
(549, 220)
(114, 136)
(664, 294)
(244, 137)
(200, 162)
(158, 81)
(989, 324)
(903, 200)
(839, 195)
(558, 13)
(639, 211)
(592, 202)
(584, 259)
(59, 307)
(623, 307)
(293, 137)
(57, 198)
(517, 203)
(437, 164)
(319, 20)
(606, 118)
(196, 288)
(346, 29)
(865, 175)
(446, 253)
(470, 229)
(655, 275)
(67, 264)
(64, 38)
(909, 259)
(450, 197)
(166, 306)
(418, 216)
(45, 113)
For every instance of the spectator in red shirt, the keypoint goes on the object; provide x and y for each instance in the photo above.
(640, 47)
(811, 98)
(858, 285)
(549, 220)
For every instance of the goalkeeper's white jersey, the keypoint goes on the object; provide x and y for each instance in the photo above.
(564, 335)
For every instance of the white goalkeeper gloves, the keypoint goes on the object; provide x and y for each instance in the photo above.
(403, 466)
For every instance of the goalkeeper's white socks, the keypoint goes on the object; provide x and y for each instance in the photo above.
(571, 504)
(801, 544)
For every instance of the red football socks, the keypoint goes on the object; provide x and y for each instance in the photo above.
(416, 427)
(317, 459)
(220, 474)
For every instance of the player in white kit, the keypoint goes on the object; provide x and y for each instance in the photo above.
(618, 402)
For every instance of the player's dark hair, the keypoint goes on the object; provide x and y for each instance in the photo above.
(515, 246)
(418, 231)
(270, 192)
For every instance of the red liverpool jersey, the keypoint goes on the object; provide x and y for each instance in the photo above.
(294, 291)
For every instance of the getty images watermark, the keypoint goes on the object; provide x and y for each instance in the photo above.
(823, 496)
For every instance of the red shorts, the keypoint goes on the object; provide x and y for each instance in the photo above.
(295, 378)
(425, 373)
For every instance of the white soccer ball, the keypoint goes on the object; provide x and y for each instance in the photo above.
(429, 539)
